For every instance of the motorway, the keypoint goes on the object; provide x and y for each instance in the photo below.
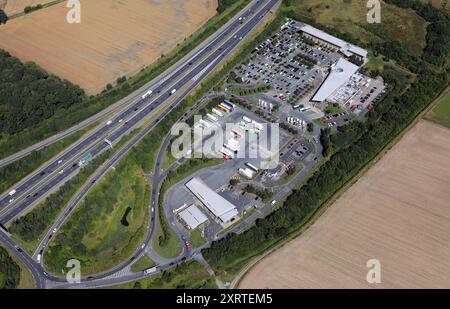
(130, 99)
(43, 181)
(210, 57)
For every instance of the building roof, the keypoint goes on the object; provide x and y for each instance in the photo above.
(358, 51)
(334, 40)
(339, 75)
(218, 205)
(193, 216)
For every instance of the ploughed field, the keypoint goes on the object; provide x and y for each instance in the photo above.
(115, 37)
(398, 213)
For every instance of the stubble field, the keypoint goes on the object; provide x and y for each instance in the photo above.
(398, 213)
(115, 37)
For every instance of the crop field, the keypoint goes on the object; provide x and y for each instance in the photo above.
(350, 17)
(398, 213)
(441, 112)
(12, 7)
(114, 38)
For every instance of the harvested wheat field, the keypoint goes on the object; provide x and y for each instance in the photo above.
(12, 7)
(398, 213)
(115, 37)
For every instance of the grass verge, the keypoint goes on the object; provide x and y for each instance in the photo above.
(143, 263)
(108, 225)
(189, 275)
(441, 112)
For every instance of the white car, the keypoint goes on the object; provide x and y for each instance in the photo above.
(143, 246)
(273, 202)
(60, 161)
(54, 230)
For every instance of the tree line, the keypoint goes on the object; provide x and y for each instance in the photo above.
(9, 271)
(222, 5)
(30, 95)
(3, 17)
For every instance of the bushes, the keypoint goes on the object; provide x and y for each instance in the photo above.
(29, 9)
(9, 271)
(36, 222)
(30, 95)
(3, 17)
(222, 5)
(325, 141)
(263, 194)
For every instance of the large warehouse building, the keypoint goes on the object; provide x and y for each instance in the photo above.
(215, 203)
(344, 47)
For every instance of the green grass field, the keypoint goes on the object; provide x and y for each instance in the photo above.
(333, 109)
(398, 24)
(143, 263)
(190, 275)
(10, 271)
(196, 237)
(109, 225)
(171, 248)
(441, 112)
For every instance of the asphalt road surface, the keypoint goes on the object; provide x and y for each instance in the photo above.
(61, 169)
(210, 58)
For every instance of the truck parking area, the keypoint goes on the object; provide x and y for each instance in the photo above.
(300, 85)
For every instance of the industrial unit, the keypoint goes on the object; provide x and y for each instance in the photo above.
(216, 204)
(192, 217)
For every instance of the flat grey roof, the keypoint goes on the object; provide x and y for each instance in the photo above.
(218, 205)
(339, 75)
(193, 216)
(334, 40)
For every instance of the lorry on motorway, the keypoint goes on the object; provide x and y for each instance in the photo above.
(12, 192)
(149, 271)
(85, 160)
(147, 94)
